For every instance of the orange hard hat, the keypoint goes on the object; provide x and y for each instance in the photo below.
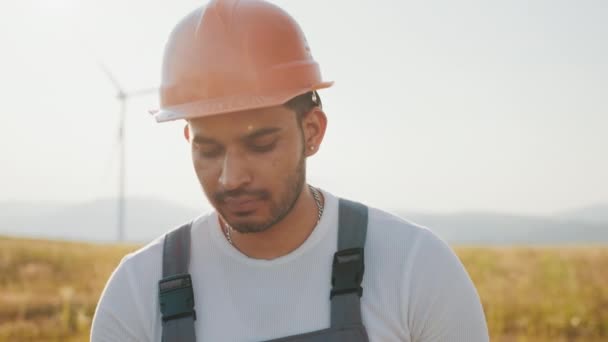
(234, 55)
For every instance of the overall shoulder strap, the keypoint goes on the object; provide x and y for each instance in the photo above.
(348, 265)
(176, 296)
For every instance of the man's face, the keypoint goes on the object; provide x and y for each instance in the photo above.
(251, 164)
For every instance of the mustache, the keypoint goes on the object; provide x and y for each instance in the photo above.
(221, 196)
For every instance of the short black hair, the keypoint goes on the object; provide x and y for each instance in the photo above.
(304, 103)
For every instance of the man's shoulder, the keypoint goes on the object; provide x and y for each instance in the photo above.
(136, 278)
(151, 253)
(392, 236)
(381, 222)
(389, 231)
(140, 267)
(146, 254)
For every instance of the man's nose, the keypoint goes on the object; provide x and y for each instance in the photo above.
(235, 171)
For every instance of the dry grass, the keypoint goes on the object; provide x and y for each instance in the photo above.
(542, 294)
(48, 290)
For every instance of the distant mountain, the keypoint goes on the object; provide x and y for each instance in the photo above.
(149, 218)
(145, 219)
(502, 229)
(592, 214)
(9, 210)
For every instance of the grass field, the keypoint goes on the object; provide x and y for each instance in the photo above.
(49, 289)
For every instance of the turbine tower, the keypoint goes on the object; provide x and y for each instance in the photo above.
(122, 96)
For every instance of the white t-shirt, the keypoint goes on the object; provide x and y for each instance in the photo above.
(414, 289)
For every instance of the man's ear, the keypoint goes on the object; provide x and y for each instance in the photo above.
(187, 132)
(314, 125)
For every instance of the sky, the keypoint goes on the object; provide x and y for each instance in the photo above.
(438, 106)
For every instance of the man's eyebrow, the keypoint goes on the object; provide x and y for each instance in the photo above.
(261, 132)
(200, 139)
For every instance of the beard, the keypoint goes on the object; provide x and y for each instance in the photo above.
(279, 208)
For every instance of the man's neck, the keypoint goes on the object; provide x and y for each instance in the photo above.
(286, 235)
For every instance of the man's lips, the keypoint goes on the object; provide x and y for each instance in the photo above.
(241, 203)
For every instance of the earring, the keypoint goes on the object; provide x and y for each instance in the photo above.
(312, 148)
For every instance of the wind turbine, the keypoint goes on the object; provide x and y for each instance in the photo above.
(122, 96)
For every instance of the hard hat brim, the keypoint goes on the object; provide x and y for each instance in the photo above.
(223, 105)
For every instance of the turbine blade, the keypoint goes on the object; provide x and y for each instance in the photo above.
(141, 92)
(110, 76)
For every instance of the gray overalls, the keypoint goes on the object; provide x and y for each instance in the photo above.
(176, 296)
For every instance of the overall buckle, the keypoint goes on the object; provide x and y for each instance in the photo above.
(176, 297)
(347, 272)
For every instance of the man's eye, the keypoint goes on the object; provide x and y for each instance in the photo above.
(209, 153)
(263, 148)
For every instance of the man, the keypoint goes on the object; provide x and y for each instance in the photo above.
(264, 265)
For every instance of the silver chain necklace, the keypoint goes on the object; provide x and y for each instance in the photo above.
(315, 194)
